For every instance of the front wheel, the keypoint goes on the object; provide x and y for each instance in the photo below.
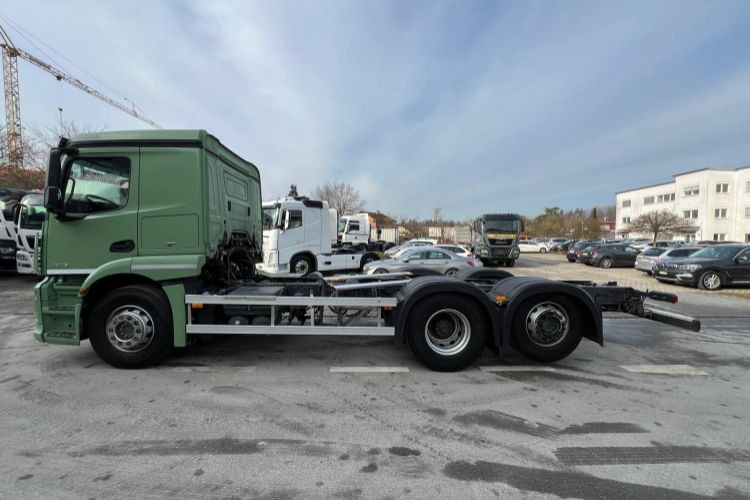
(547, 328)
(605, 263)
(510, 263)
(542, 250)
(301, 264)
(131, 327)
(710, 280)
(446, 332)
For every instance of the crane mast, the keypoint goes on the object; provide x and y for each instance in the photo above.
(13, 102)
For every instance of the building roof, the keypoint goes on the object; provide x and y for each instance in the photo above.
(720, 169)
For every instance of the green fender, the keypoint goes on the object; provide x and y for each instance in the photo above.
(160, 269)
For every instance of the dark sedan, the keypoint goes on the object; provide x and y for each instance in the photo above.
(710, 268)
(587, 254)
(607, 256)
(574, 251)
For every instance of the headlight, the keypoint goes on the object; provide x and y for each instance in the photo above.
(515, 252)
(483, 251)
(689, 267)
(7, 251)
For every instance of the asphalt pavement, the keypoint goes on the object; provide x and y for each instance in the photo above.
(656, 413)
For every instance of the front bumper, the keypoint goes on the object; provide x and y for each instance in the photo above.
(24, 262)
(7, 254)
(644, 265)
(675, 276)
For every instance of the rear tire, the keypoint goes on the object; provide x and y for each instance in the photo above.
(451, 272)
(547, 328)
(605, 263)
(446, 332)
(131, 327)
(571, 260)
(542, 250)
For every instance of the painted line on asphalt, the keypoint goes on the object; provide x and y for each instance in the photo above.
(664, 369)
(369, 369)
(213, 369)
(516, 368)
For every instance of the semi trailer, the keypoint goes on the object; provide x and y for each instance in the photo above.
(299, 237)
(151, 240)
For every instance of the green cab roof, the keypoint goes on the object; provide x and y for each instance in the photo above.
(164, 138)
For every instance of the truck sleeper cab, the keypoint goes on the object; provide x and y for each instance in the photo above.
(152, 237)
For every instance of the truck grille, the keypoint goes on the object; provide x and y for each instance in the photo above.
(494, 241)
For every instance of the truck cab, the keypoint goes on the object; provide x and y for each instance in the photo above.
(354, 230)
(495, 238)
(300, 236)
(29, 221)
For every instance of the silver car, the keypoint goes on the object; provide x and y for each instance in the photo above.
(411, 243)
(647, 258)
(430, 257)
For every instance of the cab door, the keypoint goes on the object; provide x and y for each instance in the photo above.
(100, 198)
(292, 234)
(739, 270)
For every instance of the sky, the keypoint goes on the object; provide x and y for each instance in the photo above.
(472, 107)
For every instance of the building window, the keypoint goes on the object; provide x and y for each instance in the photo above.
(720, 213)
(625, 203)
(747, 211)
(722, 187)
(720, 236)
(648, 200)
(690, 214)
(690, 238)
(747, 237)
(663, 198)
(747, 186)
(691, 191)
(626, 220)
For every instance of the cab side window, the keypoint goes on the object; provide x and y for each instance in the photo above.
(97, 185)
(295, 218)
(353, 226)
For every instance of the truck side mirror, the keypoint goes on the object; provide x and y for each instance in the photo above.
(17, 214)
(286, 218)
(52, 198)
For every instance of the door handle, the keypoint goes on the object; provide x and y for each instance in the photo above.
(122, 246)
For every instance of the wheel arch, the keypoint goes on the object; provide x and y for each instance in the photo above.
(520, 289)
(423, 287)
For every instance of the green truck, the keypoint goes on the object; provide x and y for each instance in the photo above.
(151, 238)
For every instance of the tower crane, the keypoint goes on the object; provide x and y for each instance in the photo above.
(11, 53)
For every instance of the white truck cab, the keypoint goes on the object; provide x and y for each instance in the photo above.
(300, 236)
(9, 200)
(29, 221)
(354, 230)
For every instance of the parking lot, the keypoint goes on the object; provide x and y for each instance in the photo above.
(656, 413)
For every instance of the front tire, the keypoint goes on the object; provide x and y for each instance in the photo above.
(446, 332)
(510, 263)
(710, 280)
(542, 250)
(605, 263)
(301, 264)
(547, 328)
(131, 327)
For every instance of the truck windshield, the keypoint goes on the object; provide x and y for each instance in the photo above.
(506, 226)
(270, 217)
(32, 216)
(342, 225)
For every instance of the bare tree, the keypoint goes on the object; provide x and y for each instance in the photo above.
(340, 195)
(661, 222)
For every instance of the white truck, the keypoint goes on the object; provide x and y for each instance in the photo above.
(359, 231)
(9, 199)
(300, 237)
(29, 220)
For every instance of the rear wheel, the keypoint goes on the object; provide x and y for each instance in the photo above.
(571, 260)
(547, 328)
(131, 327)
(451, 272)
(366, 259)
(446, 332)
(606, 263)
(710, 280)
(301, 264)
(380, 271)
(542, 250)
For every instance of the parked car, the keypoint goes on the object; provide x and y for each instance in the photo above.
(647, 258)
(614, 255)
(529, 247)
(458, 250)
(677, 253)
(587, 253)
(710, 268)
(431, 257)
(417, 242)
(562, 246)
(549, 243)
(659, 244)
(574, 251)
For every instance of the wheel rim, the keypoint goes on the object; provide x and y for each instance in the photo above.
(381, 271)
(451, 272)
(130, 329)
(547, 324)
(606, 263)
(447, 332)
(302, 266)
(711, 281)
